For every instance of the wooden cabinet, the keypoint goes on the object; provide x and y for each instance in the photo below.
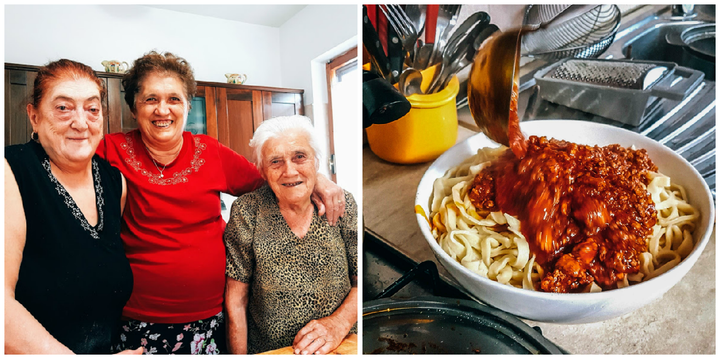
(239, 110)
(281, 104)
(118, 117)
(229, 113)
(18, 90)
(239, 114)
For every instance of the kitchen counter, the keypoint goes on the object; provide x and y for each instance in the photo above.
(680, 322)
(348, 346)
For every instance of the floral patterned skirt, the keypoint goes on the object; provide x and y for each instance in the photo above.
(205, 336)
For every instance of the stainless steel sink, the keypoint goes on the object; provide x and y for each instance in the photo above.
(651, 44)
(686, 126)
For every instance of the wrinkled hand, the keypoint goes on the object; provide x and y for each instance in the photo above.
(137, 351)
(320, 336)
(329, 199)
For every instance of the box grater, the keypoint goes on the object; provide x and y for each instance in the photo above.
(616, 89)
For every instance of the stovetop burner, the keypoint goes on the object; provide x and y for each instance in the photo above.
(409, 309)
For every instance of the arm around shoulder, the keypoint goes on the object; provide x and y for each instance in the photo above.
(241, 175)
(329, 199)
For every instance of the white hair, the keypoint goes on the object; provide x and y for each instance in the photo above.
(279, 126)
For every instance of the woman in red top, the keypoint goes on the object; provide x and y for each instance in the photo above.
(173, 227)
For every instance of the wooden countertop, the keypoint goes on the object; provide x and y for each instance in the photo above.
(682, 321)
(349, 345)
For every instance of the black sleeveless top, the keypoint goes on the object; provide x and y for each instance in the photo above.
(74, 278)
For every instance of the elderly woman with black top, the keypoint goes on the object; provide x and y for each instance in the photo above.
(66, 274)
(292, 278)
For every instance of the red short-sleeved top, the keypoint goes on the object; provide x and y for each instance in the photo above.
(172, 228)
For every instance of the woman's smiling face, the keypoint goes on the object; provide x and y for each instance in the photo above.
(161, 109)
(289, 167)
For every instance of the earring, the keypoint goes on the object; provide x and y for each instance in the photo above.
(34, 136)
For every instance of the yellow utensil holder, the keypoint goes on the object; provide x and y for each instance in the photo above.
(424, 133)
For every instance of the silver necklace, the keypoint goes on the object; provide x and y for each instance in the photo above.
(158, 168)
(155, 163)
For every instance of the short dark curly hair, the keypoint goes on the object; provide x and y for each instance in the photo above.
(154, 62)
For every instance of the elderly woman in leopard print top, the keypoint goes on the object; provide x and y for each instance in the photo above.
(291, 277)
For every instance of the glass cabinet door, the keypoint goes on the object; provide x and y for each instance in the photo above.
(197, 119)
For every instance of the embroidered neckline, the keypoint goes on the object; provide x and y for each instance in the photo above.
(70, 202)
(154, 178)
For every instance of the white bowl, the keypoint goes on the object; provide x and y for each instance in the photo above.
(574, 307)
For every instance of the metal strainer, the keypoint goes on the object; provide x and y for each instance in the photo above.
(629, 75)
(586, 35)
(539, 15)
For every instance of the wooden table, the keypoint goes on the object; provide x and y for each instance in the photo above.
(682, 321)
(349, 345)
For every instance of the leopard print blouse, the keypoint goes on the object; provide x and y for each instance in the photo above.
(292, 280)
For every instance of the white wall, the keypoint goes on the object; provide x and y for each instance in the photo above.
(310, 33)
(308, 40)
(35, 35)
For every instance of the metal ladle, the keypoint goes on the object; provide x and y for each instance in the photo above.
(495, 70)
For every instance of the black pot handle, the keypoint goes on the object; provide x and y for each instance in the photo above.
(427, 268)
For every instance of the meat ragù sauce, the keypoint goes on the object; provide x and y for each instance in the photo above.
(584, 210)
(516, 139)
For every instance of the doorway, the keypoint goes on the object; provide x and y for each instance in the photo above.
(343, 82)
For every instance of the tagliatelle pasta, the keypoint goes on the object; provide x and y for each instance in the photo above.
(492, 244)
(475, 242)
(672, 238)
